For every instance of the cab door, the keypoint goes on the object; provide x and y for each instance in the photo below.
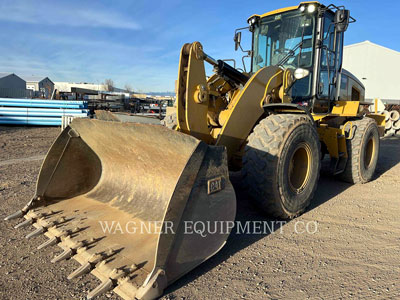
(330, 65)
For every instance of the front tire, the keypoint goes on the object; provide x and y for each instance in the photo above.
(281, 164)
(363, 152)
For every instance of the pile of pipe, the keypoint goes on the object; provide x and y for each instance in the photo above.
(392, 126)
(40, 112)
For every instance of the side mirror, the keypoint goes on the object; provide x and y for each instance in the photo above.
(237, 38)
(342, 19)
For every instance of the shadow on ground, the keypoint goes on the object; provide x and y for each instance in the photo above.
(328, 187)
(389, 155)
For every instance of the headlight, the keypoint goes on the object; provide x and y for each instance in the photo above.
(252, 21)
(311, 8)
(300, 73)
(302, 8)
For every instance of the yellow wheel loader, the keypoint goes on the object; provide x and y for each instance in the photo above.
(123, 199)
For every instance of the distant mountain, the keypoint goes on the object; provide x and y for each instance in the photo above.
(160, 93)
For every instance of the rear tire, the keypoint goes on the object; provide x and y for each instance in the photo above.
(170, 121)
(281, 164)
(363, 152)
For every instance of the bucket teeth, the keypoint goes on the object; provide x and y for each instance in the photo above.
(24, 223)
(15, 215)
(65, 255)
(21, 212)
(35, 233)
(49, 242)
(100, 289)
(84, 269)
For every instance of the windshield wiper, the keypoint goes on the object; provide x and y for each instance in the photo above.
(290, 53)
(293, 51)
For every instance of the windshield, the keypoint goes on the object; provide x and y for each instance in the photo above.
(287, 40)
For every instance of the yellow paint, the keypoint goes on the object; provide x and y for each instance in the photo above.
(299, 168)
(288, 80)
(240, 96)
(282, 10)
(380, 121)
(180, 93)
(345, 108)
(318, 117)
(288, 110)
(192, 116)
(247, 109)
(334, 139)
(266, 88)
(351, 129)
(277, 11)
(370, 150)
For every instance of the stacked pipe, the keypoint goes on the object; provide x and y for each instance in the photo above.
(39, 112)
(392, 126)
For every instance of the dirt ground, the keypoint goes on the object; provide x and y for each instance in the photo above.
(352, 249)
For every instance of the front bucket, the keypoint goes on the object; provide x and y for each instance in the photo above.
(126, 201)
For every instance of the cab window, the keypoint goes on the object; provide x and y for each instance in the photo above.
(331, 57)
(343, 88)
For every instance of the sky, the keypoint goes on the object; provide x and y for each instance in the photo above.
(137, 42)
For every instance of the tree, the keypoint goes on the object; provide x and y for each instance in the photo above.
(128, 88)
(109, 83)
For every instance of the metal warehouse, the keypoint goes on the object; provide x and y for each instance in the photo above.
(376, 66)
(12, 86)
(41, 86)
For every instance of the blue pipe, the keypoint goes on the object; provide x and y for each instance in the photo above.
(36, 112)
(40, 114)
(8, 104)
(55, 110)
(43, 101)
(28, 122)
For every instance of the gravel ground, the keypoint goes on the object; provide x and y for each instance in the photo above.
(354, 252)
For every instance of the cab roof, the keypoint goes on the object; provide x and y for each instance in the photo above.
(281, 10)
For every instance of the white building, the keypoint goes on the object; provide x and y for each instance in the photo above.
(41, 86)
(65, 87)
(377, 68)
(12, 86)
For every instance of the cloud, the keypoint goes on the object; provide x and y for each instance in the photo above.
(62, 40)
(65, 14)
(83, 41)
(83, 59)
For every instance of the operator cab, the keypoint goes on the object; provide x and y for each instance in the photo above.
(308, 40)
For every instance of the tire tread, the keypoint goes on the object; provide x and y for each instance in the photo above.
(259, 166)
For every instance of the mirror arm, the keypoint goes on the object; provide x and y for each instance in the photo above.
(239, 44)
(242, 28)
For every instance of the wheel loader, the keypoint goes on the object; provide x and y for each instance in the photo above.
(273, 123)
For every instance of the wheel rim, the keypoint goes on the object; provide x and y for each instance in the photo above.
(369, 153)
(299, 167)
